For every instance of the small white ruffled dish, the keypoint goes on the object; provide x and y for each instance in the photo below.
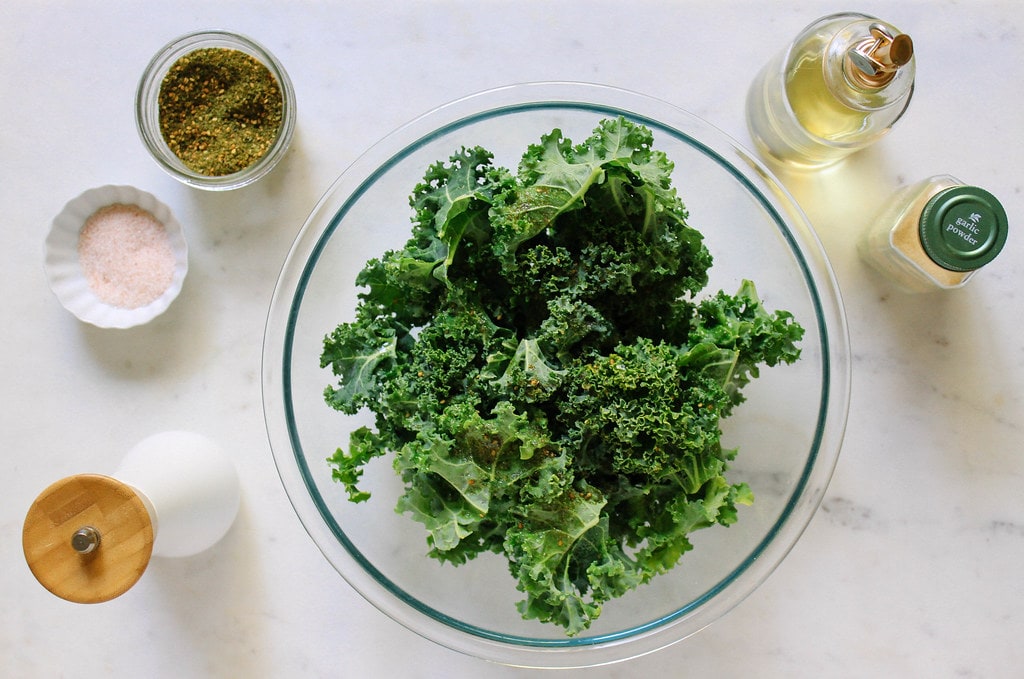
(65, 271)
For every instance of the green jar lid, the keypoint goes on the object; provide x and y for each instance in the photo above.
(963, 228)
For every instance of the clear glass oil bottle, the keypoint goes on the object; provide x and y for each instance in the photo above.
(935, 234)
(837, 88)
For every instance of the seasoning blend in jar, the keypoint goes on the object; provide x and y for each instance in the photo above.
(220, 110)
(839, 87)
(934, 235)
(215, 109)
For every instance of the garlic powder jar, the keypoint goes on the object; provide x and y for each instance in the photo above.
(935, 234)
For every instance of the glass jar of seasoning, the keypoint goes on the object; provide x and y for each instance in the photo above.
(215, 109)
(935, 234)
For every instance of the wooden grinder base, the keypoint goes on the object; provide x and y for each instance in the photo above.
(111, 508)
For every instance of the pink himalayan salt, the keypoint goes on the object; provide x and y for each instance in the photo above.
(126, 256)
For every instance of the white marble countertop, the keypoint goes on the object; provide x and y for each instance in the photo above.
(912, 566)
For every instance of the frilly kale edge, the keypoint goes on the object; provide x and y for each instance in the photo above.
(540, 372)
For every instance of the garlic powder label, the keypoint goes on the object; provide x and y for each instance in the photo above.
(968, 228)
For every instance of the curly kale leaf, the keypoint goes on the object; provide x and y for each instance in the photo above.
(550, 551)
(464, 474)
(453, 201)
(358, 354)
(746, 335)
(543, 373)
(641, 410)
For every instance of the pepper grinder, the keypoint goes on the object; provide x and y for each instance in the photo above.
(88, 538)
(837, 88)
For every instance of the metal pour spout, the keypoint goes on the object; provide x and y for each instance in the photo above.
(873, 62)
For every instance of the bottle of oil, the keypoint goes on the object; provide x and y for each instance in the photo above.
(840, 86)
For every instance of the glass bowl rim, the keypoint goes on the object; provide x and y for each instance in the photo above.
(147, 116)
(769, 552)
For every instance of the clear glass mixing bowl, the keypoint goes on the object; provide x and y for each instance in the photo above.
(788, 431)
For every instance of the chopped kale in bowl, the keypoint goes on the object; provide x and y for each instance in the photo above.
(540, 369)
